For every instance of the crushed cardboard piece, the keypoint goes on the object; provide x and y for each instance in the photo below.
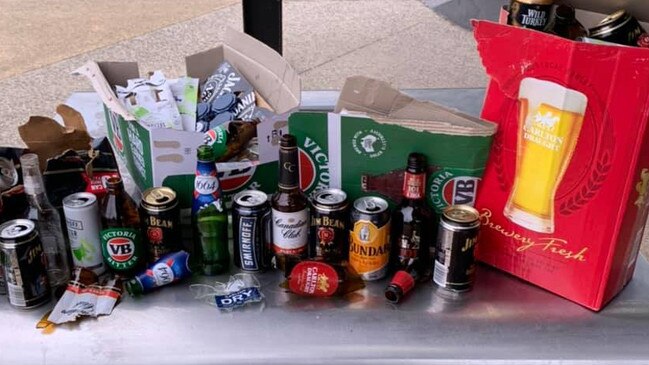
(47, 138)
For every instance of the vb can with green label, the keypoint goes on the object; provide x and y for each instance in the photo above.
(84, 226)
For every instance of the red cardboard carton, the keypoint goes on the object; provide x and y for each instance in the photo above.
(564, 196)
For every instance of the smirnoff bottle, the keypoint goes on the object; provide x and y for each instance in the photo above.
(412, 225)
(48, 221)
(290, 214)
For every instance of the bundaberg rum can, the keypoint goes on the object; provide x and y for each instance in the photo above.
(369, 237)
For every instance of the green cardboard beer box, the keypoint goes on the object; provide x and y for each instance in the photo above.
(167, 157)
(363, 146)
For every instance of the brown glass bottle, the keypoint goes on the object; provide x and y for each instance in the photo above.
(121, 242)
(290, 213)
(412, 231)
(318, 278)
(566, 25)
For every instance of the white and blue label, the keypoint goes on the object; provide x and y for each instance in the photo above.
(238, 298)
(247, 242)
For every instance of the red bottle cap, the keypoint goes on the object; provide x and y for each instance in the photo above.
(403, 280)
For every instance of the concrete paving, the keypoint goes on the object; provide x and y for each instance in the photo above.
(401, 41)
(35, 33)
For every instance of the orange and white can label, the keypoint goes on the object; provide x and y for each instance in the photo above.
(369, 249)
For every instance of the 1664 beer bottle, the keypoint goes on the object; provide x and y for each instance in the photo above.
(290, 212)
(209, 218)
(121, 242)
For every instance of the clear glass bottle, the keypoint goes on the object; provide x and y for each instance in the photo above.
(48, 221)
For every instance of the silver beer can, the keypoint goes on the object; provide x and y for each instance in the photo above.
(84, 224)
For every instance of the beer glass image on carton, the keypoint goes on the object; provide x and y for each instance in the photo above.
(550, 119)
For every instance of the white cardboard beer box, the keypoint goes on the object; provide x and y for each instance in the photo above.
(157, 157)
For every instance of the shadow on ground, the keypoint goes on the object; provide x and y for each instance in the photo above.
(461, 12)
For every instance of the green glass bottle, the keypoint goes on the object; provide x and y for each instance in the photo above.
(209, 218)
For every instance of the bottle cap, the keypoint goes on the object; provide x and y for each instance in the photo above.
(134, 288)
(416, 163)
(288, 141)
(402, 283)
(565, 13)
(114, 183)
(393, 294)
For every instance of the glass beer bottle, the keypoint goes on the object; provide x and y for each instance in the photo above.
(209, 218)
(290, 213)
(121, 241)
(412, 230)
(48, 221)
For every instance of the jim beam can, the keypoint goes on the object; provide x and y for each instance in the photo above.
(251, 227)
(160, 219)
(24, 264)
(532, 14)
(83, 222)
(454, 267)
(369, 237)
(620, 28)
(329, 226)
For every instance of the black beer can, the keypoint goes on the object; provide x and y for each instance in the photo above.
(160, 220)
(251, 230)
(532, 14)
(454, 266)
(24, 264)
(619, 27)
(329, 237)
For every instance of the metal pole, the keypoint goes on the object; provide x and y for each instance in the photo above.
(262, 19)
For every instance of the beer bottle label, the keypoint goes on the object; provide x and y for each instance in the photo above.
(533, 16)
(313, 278)
(409, 245)
(249, 243)
(414, 186)
(121, 248)
(369, 249)
(290, 232)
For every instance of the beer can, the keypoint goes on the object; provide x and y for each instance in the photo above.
(24, 264)
(454, 267)
(329, 232)
(160, 219)
(369, 237)
(619, 27)
(251, 227)
(81, 211)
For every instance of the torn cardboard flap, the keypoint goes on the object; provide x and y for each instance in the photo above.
(100, 83)
(47, 138)
(272, 77)
(385, 104)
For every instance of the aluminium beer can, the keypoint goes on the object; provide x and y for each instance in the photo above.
(23, 261)
(329, 236)
(369, 237)
(251, 226)
(454, 266)
(83, 222)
